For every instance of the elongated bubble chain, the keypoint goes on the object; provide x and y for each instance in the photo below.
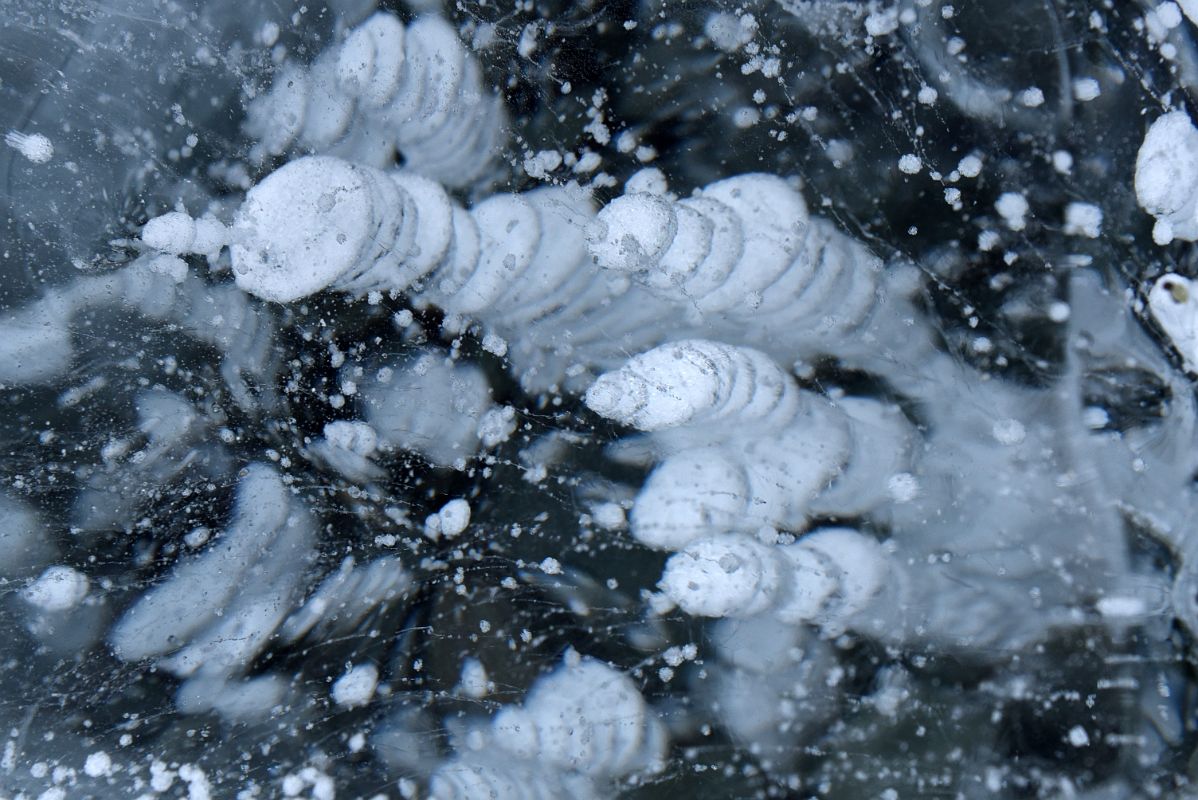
(516, 263)
(387, 87)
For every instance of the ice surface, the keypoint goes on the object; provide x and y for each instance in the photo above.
(311, 489)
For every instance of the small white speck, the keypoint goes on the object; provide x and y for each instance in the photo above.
(1168, 14)
(609, 516)
(588, 162)
(1120, 607)
(551, 566)
(474, 681)
(269, 34)
(882, 22)
(197, 537)
(746, 117)
(1078, 737)
(645, 153)
(730, 32)
(544, 162)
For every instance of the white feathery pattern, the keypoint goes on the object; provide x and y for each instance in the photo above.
(586, 717)
(387, 87)
(347, 447)
(772, 683)
(735, 469)
(173, 433)
(24, 547)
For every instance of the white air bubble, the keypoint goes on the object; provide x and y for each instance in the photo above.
(356, 687)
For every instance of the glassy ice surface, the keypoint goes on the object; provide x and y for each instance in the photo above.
(787, 398)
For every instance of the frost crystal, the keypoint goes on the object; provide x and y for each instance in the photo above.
(33, 146)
